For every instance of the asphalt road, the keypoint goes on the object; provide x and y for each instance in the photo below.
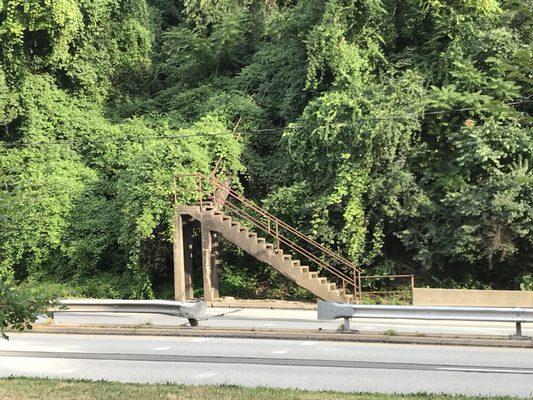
(297, 319)
(277, 363)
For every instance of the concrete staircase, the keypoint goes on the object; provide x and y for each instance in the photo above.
(216, 220)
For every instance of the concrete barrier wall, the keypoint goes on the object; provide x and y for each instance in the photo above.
(468, 297)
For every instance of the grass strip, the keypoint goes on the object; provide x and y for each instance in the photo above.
(53, 389)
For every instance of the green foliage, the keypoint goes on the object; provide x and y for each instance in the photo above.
(20, 307)
(388, 182)
(391, 131)
(81, 43)
(235, 282)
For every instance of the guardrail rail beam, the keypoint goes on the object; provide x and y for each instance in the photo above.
(193, 311)
(518, 315)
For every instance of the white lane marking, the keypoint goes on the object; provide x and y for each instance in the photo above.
(308, 343)
(67, 371)
(279, 352)
(496, 371)
(162, 348)
(204, 375)
(199, 340)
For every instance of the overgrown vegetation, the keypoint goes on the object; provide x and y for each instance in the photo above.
(396, 131)
(20, 307)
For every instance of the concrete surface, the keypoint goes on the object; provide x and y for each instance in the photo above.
(231, 302)
(470, 297)
(312, 365)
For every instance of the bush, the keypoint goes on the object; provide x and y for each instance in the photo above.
(19, 307)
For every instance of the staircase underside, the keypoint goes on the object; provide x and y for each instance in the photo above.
(258, 247)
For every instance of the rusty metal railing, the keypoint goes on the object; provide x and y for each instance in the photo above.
(348, 275)
(399, 295)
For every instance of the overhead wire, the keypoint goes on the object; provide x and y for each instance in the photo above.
(287, 128)
(111, 139)
(413, 115)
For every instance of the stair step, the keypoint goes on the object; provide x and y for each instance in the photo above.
(276, 257)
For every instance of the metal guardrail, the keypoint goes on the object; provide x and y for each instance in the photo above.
(193, 311)
(332, 310)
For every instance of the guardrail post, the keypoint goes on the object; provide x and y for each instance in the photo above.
(346, 326)
(519, 330)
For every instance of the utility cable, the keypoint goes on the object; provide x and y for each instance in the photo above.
(287, 128)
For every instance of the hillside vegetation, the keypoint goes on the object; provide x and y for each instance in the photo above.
(396, 131)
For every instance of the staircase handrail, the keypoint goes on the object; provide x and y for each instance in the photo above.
(216, 184)
(291, 244)
(280, 222)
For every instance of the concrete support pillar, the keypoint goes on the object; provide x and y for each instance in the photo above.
(187, 249)
(214, 264)
(179, 259)
(209, 268)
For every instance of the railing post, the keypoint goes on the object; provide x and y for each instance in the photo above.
(200, 191)
(412, 288)
(358, 287)
(355, 287)
(175, 194)
(277, 235)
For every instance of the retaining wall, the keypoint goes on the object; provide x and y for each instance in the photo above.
(468, 297)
